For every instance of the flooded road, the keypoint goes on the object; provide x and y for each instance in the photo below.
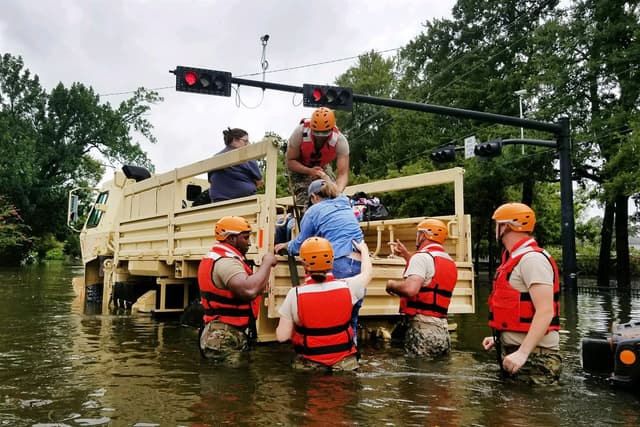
(63, 366)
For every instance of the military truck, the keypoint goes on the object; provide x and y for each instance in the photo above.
(144, 237)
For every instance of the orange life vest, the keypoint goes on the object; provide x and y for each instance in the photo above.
(221, 304)
(510, 309)
(434, 297)
(323, 333)
(311, 157)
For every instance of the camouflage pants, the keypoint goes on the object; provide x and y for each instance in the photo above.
(540, 368)
(349, 363)
(223, 343)
(427, 336)
(301, 184)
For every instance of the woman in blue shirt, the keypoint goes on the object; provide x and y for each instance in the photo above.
(235, 181)
(331, 216)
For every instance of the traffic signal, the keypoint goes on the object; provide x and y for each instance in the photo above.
(335, 97)
(444, 154)
(199, 80)
(488, 149)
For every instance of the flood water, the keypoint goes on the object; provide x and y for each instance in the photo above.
(62, 366)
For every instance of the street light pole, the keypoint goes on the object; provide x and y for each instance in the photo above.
(520, 94)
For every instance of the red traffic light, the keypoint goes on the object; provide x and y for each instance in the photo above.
(190, 78)
(336, 97)
(201, 80)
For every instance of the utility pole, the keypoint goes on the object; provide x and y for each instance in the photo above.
(520, 94)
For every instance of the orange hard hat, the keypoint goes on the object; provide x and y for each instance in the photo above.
(230, 225)
(323, 120)
(317, 254)
(519, 216)
(434, 229)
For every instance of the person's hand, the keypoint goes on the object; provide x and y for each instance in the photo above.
(361, 246)
(514, 361)
(389, 288)
(279, 247)
(318, 173)
(400, 248)
(269, 259)
(488, 343)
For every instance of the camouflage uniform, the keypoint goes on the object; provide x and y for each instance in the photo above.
(301, 184)
(223, 343)
(349, 363)
(427, 336)
(543, 366)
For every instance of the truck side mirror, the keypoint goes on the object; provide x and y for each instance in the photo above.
(136, 172)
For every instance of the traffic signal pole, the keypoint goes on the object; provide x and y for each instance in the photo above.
(560, 130)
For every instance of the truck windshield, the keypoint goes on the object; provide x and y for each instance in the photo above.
(96, 212)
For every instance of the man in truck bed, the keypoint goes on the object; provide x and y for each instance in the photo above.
(313, 145)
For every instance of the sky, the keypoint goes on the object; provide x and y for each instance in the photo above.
(116, 46)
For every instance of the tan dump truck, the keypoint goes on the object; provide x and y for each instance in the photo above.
(145, 233)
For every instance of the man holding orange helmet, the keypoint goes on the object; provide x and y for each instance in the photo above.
(313, 145)
(524, 307)
(425, 292)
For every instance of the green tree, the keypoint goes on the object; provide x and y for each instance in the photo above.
(477, 61)
(588, 64)
(52, 142)
(14, 234)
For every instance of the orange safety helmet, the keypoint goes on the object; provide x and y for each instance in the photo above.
(435, 229)
(519, 216)
(317, 254)
(323, 120)
(229, 225)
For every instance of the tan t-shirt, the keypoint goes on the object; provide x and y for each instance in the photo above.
(533, 268)
(224, 269)
(421, 264)
(342, 146)
(289, 308)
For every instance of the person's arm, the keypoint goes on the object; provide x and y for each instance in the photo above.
(408, 287)
(307, 229)
(421, 269)
(255, 171)
(293, 153)
(366, 266)
(342, 166)
(284, 331)
(542, 299)
(401, 249)
(248, 287)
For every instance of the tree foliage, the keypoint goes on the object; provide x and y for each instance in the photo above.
(15, 241)
(580, 60)
(51, 142)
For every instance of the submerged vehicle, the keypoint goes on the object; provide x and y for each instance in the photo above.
(145, 235)
(617, 356)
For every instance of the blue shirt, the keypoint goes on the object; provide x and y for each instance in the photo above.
(235, 181)
(332, 219)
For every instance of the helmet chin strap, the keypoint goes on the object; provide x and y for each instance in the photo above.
(502, 234)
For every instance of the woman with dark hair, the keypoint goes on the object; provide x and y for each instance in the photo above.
(235, 181)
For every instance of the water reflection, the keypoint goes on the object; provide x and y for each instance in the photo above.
(62, 365)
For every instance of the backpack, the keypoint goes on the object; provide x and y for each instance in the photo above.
(368, 208)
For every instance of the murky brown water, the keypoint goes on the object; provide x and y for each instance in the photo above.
(62, 366)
